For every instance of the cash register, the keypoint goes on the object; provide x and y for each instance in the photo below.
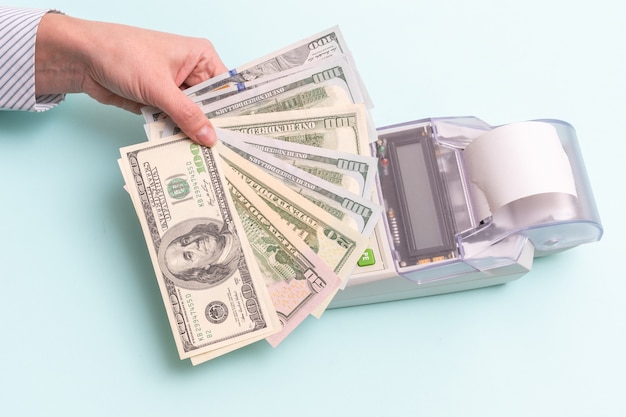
(468, 205)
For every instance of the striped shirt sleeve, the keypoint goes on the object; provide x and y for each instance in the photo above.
(18, 31)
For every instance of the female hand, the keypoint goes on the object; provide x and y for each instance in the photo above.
(127, 67)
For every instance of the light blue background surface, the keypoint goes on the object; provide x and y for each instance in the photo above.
(84, 330)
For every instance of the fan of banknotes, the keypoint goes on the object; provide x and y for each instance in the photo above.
(250, 237)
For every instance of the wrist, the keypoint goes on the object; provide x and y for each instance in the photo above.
(60, 58)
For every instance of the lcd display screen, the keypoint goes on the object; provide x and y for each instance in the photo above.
(423, 226)
(419, 220)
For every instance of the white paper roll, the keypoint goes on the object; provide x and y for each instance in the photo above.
(516, 161)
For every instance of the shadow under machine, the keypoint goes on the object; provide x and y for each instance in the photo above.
(467, 205)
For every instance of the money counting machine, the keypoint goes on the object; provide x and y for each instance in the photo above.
(468, 205)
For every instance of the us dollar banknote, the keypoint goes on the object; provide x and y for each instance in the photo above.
(315, 48)
(297, 278)
(330, 142)
(310, 50)
(210, 282)
(354, 173)
(153, 114)
(359, 212)
(338, 245)
(330, 83)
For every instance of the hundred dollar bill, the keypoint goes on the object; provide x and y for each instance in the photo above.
(329, 84)
(210, 282)
(326, 44)
(286, 61)
(334, 244)
(224, 92)
(297, 278)
(339, 246)
(307, 52)
(338, 128)
(153, 114)
(354, 173)
(331, 142)
(361, 213)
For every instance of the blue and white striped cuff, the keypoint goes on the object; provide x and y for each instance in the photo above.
(18, 32)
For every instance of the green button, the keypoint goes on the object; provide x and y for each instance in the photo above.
(367, 258)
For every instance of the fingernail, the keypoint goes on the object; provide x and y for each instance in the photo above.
(206, 136)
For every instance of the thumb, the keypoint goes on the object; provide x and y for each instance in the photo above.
(188, 117)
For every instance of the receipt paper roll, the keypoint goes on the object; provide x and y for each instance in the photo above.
(515, 161)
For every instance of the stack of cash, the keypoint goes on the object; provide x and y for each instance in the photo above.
(250, 237)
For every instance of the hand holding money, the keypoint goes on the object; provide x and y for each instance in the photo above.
(290, 184)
